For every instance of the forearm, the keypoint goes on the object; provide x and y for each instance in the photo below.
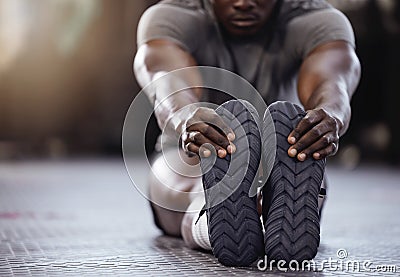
(173, 83)
(328, 79)
(170, 101)
(170, 90)
(334, 98)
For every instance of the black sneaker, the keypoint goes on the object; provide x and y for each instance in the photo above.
(234, 224)
(290, 196)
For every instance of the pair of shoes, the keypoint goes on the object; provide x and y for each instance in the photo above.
(290, 197)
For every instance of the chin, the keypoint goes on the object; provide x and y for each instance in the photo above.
(243, 32)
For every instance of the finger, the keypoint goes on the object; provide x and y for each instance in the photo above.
(311, 119)
(192, 149)
(199, 139)
(231, 148)
(330, 150)
(216, 120)
(321, 144)
(211, 134)
(309, 138)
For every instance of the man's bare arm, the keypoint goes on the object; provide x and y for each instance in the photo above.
(159, 57)
(327, 80)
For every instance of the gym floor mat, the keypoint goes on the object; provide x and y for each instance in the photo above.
(84, 217)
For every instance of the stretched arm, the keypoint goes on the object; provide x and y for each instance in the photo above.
(159, 57)
(327, 80)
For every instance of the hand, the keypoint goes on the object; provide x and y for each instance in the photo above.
(316, 135)
(204, 125)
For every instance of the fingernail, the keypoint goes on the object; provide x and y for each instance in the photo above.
(207, 153)
(231, 136)
(292, 140)
(302, 157)
(293, 152)
(317, 156)
(233, 148)
(221, 153)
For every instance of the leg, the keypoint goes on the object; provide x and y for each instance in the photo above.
(169, 187)
(233, 223)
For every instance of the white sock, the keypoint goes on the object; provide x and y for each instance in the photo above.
(200, 228)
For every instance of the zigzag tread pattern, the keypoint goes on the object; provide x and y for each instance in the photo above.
(292, 230)
(235, 229)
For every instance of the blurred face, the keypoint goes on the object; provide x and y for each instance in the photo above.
(243, 17)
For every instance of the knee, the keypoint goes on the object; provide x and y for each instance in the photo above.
(169, 188)
(170, 194)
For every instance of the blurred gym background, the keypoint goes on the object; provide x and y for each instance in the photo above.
(66, 78)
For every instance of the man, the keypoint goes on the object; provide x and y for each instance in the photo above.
(301, 51)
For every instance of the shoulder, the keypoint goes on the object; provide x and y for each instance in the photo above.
(309, 13)
(306, 24)
(292, 9)
(183, 21)
(177, 9)
(185, 4)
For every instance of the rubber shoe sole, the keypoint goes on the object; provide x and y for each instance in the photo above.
(290, 196)
(235, 228)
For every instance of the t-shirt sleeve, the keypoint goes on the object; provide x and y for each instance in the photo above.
(170, 22)
(308, 31)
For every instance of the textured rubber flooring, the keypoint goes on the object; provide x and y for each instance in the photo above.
(86, 218)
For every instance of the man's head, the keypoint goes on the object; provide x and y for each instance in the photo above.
(243, 17)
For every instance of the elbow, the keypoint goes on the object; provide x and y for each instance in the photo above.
(137, 67)
(355, 73)
(140, 68)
